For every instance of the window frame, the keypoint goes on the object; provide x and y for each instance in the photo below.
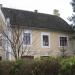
(27, 31)
(48, 34)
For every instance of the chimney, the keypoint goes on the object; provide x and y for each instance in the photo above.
(36, 11)
(0, 6)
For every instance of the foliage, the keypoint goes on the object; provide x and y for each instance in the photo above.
(36, 67)
(47, 66)
(5, 67)
(66, 65)
(21, 67)
(72, 18)
(73, 5)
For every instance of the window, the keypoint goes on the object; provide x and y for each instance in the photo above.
(45, 39)
(63, 41)
(27, 38)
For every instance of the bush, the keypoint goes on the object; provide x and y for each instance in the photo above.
(37, 67)
(67, 66)
(44, 66)
(21, 68)
(40, 67)
(5, 67)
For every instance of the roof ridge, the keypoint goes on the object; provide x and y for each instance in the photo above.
(28, 11)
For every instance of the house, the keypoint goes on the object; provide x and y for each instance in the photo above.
(43, 34)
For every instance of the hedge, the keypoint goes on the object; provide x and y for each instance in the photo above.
(48, 66)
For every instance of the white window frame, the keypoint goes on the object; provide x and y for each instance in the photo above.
(27, 31)
(48, 34)
(67, 40)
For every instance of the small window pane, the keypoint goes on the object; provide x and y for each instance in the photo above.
(45, 40)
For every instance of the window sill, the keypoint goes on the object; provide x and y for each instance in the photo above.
(63, 46)
(45, 46)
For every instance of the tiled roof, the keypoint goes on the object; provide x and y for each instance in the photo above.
(35, 20)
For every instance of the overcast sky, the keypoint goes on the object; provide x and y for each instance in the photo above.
(43, 6)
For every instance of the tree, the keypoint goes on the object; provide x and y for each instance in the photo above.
(72, 18)
(12, 38)
(73, 5)
(56, 12)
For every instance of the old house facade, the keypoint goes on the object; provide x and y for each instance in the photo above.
(42, 34)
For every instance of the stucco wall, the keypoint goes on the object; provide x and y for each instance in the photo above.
(35, 49)
(54, 49)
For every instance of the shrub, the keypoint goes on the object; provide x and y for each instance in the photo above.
(67, 66)
(21, 68)
(38, 67)
(46, 67)
(5, 67)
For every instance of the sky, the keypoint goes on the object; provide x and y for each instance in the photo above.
(43, 6)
